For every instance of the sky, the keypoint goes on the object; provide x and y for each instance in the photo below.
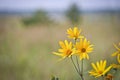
(58, 4)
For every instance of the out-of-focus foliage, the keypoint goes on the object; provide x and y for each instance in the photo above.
(73, 14)
(54, 78)
(39, 17)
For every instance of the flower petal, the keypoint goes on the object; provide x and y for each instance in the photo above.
(93, 65)
(116, 47)
(115, 53)
(118, 58)
(106, 70)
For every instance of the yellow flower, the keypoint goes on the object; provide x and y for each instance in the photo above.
(117, 53)
(66, 49)
(99, 69)
(74, 33)
(83, 48)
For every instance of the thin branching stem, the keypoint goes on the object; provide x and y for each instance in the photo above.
(78, 64)
(74, 65)
(82, 70)
(82, 67)
(102, 77)
(81, 76)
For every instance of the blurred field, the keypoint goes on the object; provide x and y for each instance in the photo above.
(26, 52)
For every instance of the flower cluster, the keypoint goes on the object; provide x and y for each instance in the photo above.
(80, 49)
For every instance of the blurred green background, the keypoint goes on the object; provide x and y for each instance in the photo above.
(27, 41)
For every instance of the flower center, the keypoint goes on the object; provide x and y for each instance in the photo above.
(83, 50)
(75, 36)
(68, 52)
(100, 72)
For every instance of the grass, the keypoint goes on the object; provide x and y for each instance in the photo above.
(26, 53)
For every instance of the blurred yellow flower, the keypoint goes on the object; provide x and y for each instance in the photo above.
(74, 33)
(83, 48)
(116, 66)
(99, 69)
(66, 49)
(117, 53)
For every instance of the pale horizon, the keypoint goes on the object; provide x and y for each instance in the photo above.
(51, 5)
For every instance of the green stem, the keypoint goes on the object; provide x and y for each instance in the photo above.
(78, 64)
(80, 74)
(82, 67)
(82, 70)
(102, 77)
(74, 65)
(76, 68)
